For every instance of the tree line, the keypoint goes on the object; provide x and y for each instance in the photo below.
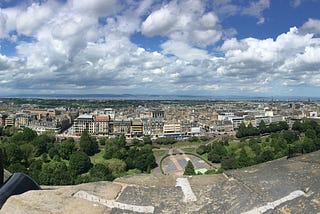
(247, 131)
(304, 137)
(50, 162)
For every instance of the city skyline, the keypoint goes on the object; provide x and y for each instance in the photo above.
(205, 48)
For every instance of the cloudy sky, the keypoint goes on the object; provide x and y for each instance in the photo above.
(182, 47)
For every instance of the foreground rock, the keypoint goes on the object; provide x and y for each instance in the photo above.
(271, 187)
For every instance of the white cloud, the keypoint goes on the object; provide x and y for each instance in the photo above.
(183, 51)
(176, 21)
(311, 26)
(256, 9)
(73, 50)
(98, 8)
(29, 21)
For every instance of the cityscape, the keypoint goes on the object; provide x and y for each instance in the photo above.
(167, 119)
(159, 106)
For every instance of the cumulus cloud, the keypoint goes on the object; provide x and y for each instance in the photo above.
(30, 20)
(256, 9)
(176, 21)
(100, 8)
(311, 26)
(86, 47)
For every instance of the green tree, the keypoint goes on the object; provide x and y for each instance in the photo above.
(189, 170)
(242, 131)
(28, 134)
(102, 141)
(35, 169)
(27, 151)
(290, 136)
(217, 152)
(17, 167)
(262, 127)
(88, 144)
(12, 154)
(243, 159)
(99, 172)
(42, 144)
(55, 173)
(53, 151)
(229, 162)
(65, 149)
(310, 133)
(79, 163)
(267, 154)
(147, 139)
(117, 167)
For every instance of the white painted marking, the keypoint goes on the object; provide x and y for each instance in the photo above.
(112, 203)
(186, 189)
(272, 205)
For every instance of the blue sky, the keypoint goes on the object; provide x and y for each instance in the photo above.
(182, 47)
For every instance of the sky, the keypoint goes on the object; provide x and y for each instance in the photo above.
(179, 47)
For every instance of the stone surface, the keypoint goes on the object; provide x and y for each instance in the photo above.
(236, 191)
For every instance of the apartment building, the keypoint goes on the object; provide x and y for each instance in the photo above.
(83, 122)
(171, 129)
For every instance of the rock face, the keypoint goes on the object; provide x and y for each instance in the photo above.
(269, 186)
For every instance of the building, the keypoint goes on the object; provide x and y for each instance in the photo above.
(9, 121)
(121, 127)
(21, 120)
(172, 129)
(236, 121)
(83, 122)
(136, 128)
(101, 125)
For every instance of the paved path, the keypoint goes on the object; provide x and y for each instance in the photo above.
(186, 189)
(112, 203)
(175, 162)
(274, 204)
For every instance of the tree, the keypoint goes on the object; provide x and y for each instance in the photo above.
(35, 169)
(12, 153)
(53, 151)
(55, 173)
(297, 126)
(42, 144)
(290, 136)
(217, 152)
(100, 172)
(79, 163)
(28, 134)
(65, 149)
(17, 167)
(189, 170)
(243, 159)
(147, 139)
(1, 167)
(262, 127)
(267, 154)
(102, 141)
(229, 162)
(116, 166)
(241, 131)
(27, 152)
(87, 144)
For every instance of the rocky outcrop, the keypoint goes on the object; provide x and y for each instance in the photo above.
(61, 200)
(270, 187)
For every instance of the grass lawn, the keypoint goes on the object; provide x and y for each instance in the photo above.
(205, 156)
(159, 153)
(191, 150)
(184, 143)
(98, 157)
